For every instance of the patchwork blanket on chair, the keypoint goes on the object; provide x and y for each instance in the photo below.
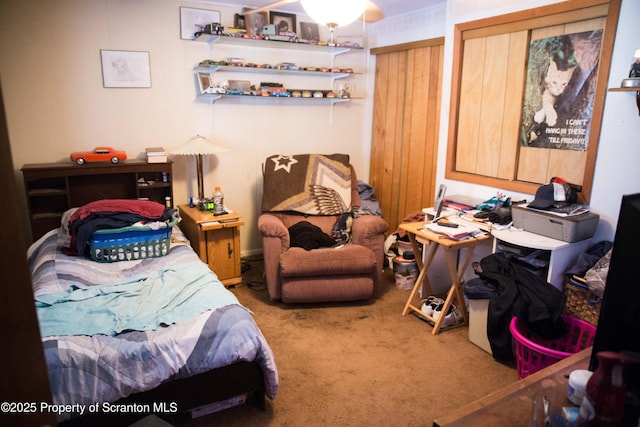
(311, 184)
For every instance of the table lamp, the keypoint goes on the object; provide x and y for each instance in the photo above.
(199, 146)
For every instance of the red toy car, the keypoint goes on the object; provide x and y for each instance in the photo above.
(99, 154)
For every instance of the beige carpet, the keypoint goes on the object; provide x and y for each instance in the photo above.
(361, 363)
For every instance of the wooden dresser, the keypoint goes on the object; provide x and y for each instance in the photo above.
(52, 188)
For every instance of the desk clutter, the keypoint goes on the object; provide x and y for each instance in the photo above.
(554, 212)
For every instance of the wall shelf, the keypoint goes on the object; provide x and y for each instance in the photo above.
(242, 42)
(284, 99)
(273, 99)
(256, 70)
(334, 50)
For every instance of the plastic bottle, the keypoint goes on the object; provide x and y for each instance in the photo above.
(604, 400)
(218, 202)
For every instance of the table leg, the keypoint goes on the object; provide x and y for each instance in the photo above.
(422, 277)
(416, 250)
(454, 291)
(465, 264)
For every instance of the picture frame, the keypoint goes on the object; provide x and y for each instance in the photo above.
(239, 21)
(204, 82)
(193, 20)
(309, 31)
(254, 22)
(279, 19)
(125, 69)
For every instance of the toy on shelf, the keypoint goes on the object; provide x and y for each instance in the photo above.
(99, 154)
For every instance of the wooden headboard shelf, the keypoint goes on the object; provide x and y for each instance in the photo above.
(52, 188)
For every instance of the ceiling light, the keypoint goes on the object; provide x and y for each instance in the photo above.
(334, 13)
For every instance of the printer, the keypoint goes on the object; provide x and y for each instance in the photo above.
(571, 228)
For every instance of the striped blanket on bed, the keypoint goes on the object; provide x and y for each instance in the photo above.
(105, 367)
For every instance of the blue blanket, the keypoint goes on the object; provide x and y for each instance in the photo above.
(140, 303)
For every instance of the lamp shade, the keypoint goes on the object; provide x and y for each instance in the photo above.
(334, 12)
(199, 145)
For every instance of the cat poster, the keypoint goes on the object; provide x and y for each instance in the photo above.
(559, 91)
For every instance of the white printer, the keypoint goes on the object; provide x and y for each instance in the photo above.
(571, 228)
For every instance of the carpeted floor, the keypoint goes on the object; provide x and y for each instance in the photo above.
(360, 364)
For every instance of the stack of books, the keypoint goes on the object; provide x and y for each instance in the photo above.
(156, 155)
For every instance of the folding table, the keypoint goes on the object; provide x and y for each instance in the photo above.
(416, 231)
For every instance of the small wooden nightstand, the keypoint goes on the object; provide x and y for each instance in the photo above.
(216, 239)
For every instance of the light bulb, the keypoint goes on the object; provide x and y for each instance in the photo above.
(334, 12)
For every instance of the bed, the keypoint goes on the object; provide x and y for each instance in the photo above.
(155, 335)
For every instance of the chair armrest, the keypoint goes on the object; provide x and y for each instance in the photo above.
(272, 227)
(369, 231)
(368, 227)
(275, 241)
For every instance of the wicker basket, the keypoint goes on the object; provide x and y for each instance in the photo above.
(582, 303)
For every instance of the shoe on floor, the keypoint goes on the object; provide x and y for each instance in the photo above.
(452, 318)
(430, 305)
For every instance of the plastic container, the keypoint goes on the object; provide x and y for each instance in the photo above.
(127, 244)
(405, 271)
(534, 353)
(218, 202)
(577, 385)
(131, 243)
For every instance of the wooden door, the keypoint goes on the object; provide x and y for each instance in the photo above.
(24, 378)
(406, 121)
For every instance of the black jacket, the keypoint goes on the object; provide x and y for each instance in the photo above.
(536, 303)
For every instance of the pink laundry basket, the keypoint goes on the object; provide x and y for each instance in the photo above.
(534, 353)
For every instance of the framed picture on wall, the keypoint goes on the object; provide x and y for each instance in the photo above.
(309, 31)
(283, 21)
(238, 21)
(125, 68)
(193, 20)
(254, 22)
(204, 82)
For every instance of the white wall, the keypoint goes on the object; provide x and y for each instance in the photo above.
(50, 71)
(51, 78)
(617, 169)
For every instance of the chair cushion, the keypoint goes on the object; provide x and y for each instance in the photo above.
(327, 289)
(347, 260)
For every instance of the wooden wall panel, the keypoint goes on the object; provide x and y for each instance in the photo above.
(472, 74)
(407, 192)
(518, 42)
(405, 128)
(478, 55)
(492, 104)
(388, 128)
(433, 95)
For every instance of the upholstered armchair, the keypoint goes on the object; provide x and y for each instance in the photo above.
(323, 191)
